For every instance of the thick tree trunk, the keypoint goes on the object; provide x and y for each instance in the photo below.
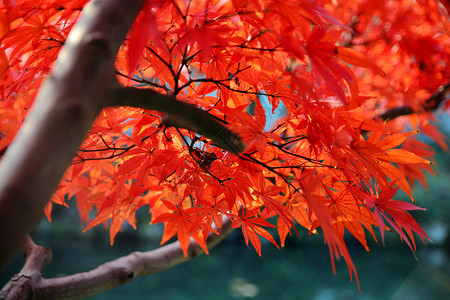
(63, 112)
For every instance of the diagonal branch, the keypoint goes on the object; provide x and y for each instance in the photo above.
(106, 276)
(180, 114)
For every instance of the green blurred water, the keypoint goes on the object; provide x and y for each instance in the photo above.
(301, 270)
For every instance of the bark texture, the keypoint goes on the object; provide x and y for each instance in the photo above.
(64, 110)
(82, 84)
(29, 283)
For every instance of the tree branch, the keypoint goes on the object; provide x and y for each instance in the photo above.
(21, 285)
(67, 104)
(430, 104)
(180, 114)
(104, 277)
(62, 114)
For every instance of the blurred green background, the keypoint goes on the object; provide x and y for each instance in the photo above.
(302, 270)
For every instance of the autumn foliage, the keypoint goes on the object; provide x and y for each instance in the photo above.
(332, 162)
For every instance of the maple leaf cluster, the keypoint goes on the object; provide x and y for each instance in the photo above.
(330, 162)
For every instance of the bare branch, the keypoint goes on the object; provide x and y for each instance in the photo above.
(181, 114)
(110, 274)
(21, 286)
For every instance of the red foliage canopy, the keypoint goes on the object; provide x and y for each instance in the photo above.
(332, 161)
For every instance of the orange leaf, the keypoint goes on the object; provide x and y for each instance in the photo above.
(394, 140)
(403, 157)
(356, 58)
(4, 64)
(397, 178)
(4, 25)
(142, 30)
